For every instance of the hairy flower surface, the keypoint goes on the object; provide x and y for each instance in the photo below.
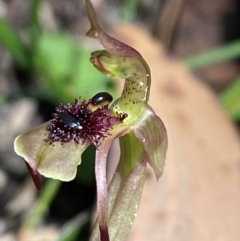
(78, 123)
(54, 149)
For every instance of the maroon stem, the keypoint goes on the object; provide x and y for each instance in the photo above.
(104, 235)
(35, 177)
(102, 189)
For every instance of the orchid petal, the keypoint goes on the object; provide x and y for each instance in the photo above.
(101, 177)
(153, 135)
(125, 189)
(125, 201)
(56, 160)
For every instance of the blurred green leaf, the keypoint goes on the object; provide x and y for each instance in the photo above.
(41, 205)
(34, 28)
(71, 233)
(130, 9)
(65, 69)
(226, 52)
(71, 230)
(13, 44)
(230, 99)
(2, 99)
(34, 19)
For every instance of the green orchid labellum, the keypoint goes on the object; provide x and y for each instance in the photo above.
(54, 148)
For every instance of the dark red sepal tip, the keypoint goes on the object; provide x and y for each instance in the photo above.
(35, 177)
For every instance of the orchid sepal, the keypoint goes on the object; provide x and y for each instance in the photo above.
(153, 135)
(147, 137)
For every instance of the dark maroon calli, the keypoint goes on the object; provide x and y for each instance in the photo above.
(77, 122)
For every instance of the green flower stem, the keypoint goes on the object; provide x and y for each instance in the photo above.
(41, 205)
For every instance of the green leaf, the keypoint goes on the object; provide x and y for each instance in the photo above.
(34, 18)
(13, 44)
(64, 68)
(230, 99)
(129, 9)
(71, 230)
(223, 53)
(41, 206)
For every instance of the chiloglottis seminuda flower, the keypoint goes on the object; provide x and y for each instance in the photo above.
(54, 148)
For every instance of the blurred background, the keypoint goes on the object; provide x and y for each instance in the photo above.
(44, 60)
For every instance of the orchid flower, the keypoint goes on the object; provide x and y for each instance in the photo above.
(54, 148)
